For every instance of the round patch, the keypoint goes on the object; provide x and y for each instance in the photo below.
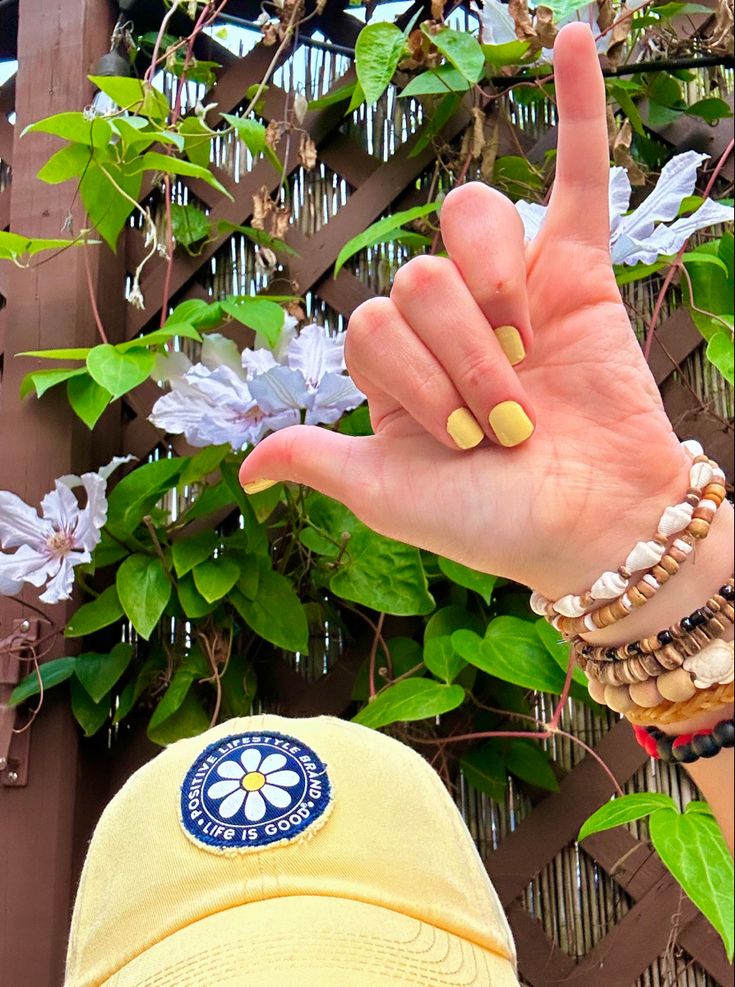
(253, 790)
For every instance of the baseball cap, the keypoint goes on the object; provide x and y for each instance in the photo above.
(286, 853)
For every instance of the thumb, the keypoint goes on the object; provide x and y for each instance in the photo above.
(334, 464)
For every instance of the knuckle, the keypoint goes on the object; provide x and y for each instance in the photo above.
(421, 274)
(503, 286)
(477, 371)
(366, 322)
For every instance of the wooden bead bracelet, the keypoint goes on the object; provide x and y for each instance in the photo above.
(688, 747)
(650, 583)
(718, 609)
(706, 492)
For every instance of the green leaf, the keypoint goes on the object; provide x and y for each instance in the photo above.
(337, 95)
(70, 162)
(51, 673)
(411, 699)
(188, 552)
(479, 582)
(238, 684)
(720, 353)
(442, 660)
(215, 578)
(436, 82)
(87, 399)
(624, 809)
(276, 614)
(710, 109)
(203, 464)
(378, 51)
(192, 602)
(197, 141)
(484, 769)
(253, 136)
(528, 760)
(101, 189)
(202, 315)
(44, 380)
(563, 8)
(90, 715)
(98, 673)
(627, 275)
(510, 53)
(693, 849)
(405, 657)
(138, 492)
(171, 703)
(629, 108)
(74, 126)
(450, 619)
(560, 650)
(189, 224)
(376, 571)
(264, 317)
(18, 248)
(700, 257)
(133, 94)
(144, 590)
(168, 165)
(260, 237)
(516, 176)
(377, 232)
(512, 651)
(92, 616)
(67, 354)
(461, 49)
(119, 372)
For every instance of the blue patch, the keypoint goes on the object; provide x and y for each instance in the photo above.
(252, 790)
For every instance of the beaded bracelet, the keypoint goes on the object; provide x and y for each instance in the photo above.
(651, 582)
(704, 475)
(688, 747)
(707, 619)
(703, 701)
(712, 667)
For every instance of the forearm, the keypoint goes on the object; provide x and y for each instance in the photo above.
(708, 569)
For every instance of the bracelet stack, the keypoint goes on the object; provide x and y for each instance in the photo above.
(682, 670)
(687, 747)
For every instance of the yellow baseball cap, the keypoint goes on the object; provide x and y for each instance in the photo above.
(286, 853)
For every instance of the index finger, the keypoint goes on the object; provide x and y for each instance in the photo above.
(583, 157)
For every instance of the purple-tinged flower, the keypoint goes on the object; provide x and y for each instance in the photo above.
(48, 547)
(647, 233)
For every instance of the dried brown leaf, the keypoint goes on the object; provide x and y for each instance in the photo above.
(280, 219)
(622, 157)
(477, 138)
(273, 133)
(262, 208)
(307, 152)
(545, 26)
(437, 10)
(518, 10)
(265, 260)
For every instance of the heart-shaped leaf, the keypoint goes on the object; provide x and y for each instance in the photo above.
(119, 372)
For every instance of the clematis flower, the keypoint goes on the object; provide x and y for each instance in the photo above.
(647, 233)
(240, 400)
(64, 536)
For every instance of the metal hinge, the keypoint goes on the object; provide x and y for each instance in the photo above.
(15, 652)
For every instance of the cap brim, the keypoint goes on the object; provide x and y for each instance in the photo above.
(314, 942)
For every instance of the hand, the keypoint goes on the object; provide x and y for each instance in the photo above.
(603, 461)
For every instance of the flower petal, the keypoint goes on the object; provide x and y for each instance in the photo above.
(273, 762)
(92, 517)
(255, 807)
(278, 390)
(315, 352)
(232, 804)
(286, 779)
(221, 788)
(219, 351)
(61, 507)
(533, 216)
(251, 758)
(276, 796)
(59, 588)
(19, 523)
(257, 362)
(25, 566)
(666, 240)
(230, 769)
(335, 395)
(498, 27)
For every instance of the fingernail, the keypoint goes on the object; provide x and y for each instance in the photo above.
(511, 343)
(510, 423)
(464, 430)
(258, 486)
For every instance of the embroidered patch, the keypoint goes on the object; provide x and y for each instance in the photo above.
(253, 790)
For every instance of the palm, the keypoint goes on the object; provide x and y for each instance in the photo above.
(603, 444)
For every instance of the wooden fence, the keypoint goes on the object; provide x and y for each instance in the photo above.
(607, 913)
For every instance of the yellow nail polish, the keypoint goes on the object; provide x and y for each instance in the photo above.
(511, 343)
(464, 430)
(510, 423)
(258, 486)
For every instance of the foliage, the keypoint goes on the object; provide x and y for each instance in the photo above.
(191, 586)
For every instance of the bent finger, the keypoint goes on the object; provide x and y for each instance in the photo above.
(483, 234)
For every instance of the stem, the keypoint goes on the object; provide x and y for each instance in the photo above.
(151, 70)
(373, 652)
(169, 251)
(93, 300)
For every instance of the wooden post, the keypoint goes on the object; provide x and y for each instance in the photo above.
(59, 42)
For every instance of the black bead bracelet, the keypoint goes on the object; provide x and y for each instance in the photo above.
(687, 747)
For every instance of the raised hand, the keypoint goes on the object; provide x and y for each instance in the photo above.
(552, 508)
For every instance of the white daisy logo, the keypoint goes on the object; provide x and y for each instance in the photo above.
(253, 781)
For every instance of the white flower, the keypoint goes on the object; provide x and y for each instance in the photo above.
(253, 780)
(713, 665)
(496, 24)
(238, 398)
(48, 547)
(646, 233)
